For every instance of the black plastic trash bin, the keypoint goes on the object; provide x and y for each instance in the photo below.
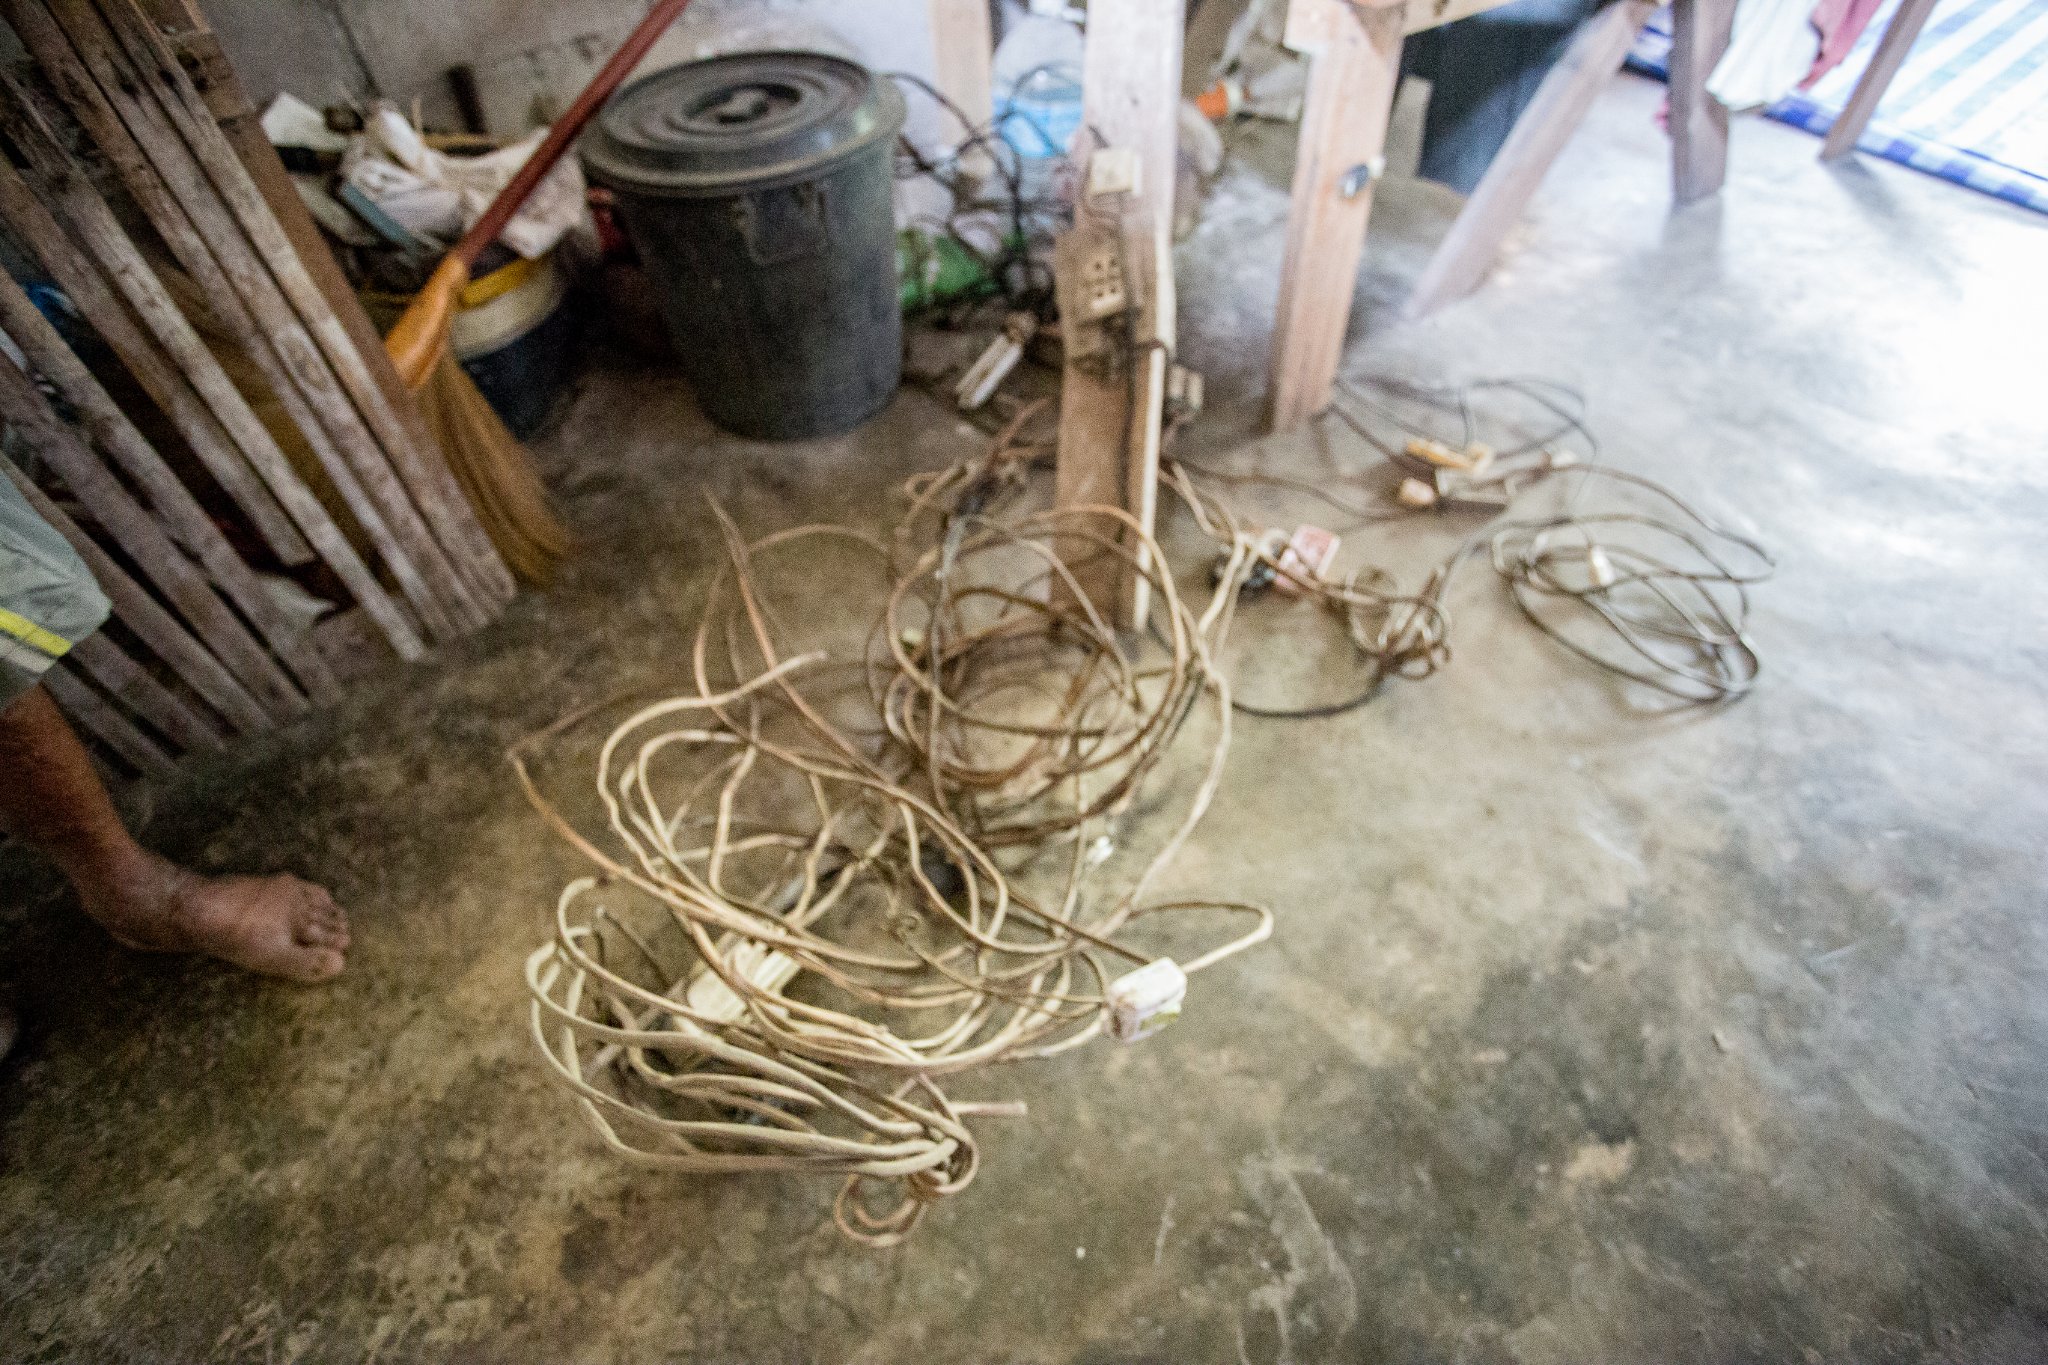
(757, 189)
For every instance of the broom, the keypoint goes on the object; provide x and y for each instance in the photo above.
(489, 463)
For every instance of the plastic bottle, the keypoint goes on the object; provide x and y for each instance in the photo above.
(1038, 82)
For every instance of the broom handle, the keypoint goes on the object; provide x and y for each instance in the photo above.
(564, 131)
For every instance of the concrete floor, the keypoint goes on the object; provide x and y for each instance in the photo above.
(1588, 1034)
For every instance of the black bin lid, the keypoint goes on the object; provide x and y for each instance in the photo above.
(747, 121)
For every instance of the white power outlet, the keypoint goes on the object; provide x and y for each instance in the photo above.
(1101, 270)
(1102, 292)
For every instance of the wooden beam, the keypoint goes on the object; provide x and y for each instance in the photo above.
(157, 170)
(196, 423)
(1354, 70)
(1699, 122)
(170, 503)
(1111, 422)
(1568, 90)
(1891, 54)
(199, 51)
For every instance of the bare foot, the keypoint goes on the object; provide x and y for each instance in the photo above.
(279, 926)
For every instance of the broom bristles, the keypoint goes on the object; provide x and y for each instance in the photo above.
(496, 473)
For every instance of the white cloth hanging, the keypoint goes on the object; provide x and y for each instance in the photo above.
(1770, 52)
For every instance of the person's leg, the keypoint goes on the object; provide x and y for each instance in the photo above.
(53, 801)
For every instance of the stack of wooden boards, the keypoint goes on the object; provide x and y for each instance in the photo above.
(343, 484)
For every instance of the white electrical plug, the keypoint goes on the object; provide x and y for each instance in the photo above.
(1145, 1001)
(1416, 493)
(769, 969)
(1600, 567)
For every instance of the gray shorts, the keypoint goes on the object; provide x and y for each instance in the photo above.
(48, 600)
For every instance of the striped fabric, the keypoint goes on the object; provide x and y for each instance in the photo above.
(1970, 105)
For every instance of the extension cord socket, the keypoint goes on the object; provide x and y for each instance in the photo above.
(1100, 270)
(1101, 292)
(1144, 1001)
(769, 969)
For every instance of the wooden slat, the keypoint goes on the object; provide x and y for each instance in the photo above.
(1892, 50)
(97, 717)
(485, 580)
(209, 184)
(1110, 425)
(158, 172)
(196, 425)
(169, 500)
(1699, 124)
(144, 542)
(1568, 90)
(1354, 70)
(153, 625)
(183, 378)
(129, 683)
(199, 51)
(243, 128)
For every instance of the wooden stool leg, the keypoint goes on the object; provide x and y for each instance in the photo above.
(1877, 78)
(1699, 122)
(1355, 67)
(1567, 92)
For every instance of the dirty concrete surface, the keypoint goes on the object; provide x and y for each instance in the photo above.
(1589, 1032)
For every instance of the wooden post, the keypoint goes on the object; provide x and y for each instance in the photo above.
(1111, 424)
(963, 56)
(1891, 54)
(1699, 122)
(1354, 69)
(1467, 251)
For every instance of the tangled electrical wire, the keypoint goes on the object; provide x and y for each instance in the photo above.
(1649, 589)
(823, 892)
(1014, 261)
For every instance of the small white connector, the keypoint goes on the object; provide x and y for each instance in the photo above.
(978, 385)
(1145, 1001)
(770, 969)
(1600, 568)
(1416, 493)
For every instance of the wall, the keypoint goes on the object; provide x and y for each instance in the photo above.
(324, 50)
